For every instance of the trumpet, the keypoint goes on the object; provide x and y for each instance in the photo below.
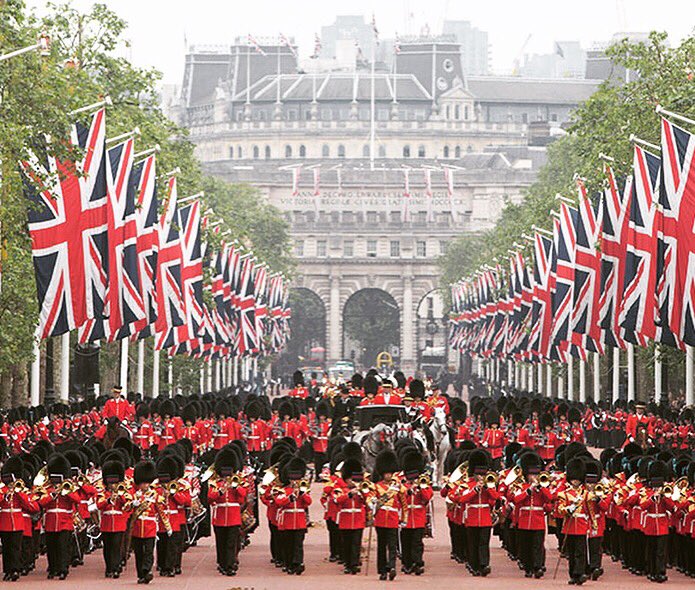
(366, 486)
(490, 479)
(303, 486)
(67, 487)
(173, 487)
(667, 489)
(544, 479)
(18, 487)
(599, 490)
(235, 481)
(423, 481)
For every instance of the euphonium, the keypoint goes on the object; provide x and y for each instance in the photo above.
(544, 479)
(491, 479)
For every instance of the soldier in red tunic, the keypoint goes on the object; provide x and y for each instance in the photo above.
(656, 506)
(572, 505)
(293, 501)
(111, 503)
(300, 390)
(387, 505)
(352, 515)
(493, 438)
(417, 498)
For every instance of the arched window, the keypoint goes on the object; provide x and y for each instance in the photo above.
(341, 151)
(267, 152)
(382, 151)
(302, 151)
(457, 152)
(288, 151)
(326, 151)
(239, 153)
(469, 149)
(256, 152)
(446, 151)
(406, 151)
(365, 151)
(421, 151)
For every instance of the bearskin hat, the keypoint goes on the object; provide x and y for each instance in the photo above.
(357, 380)
(458, 414)
(573, 449)
(643, 467)
(226, 462)
(574, 415)
(400, 379)
(167, 408)
(222, 408)
(285, 409)
(575, 469)
(296, 468)
(510, 451)
(492, 416)
(78, 461)
(530, 463)
(417, 388)
(594, 470)
(167, 469)
(324, 409)
(657, 473)
(606, 455)
(189, 413)
(352, 450)
(370, 385)
(518, 418)
(253, 410)
(632, 450)
(142, 411)
(58, 465)
(12, 469)
(298, 378)
(351, 468)
(547, 421)
(386, 462)
(113, 472)
(132, 449)
(412, 464)
(478, 462)
(144, 472)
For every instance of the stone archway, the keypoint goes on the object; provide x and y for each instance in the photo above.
(307, 343)
(371, 324)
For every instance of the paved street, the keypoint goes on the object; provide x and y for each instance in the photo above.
(256, 572)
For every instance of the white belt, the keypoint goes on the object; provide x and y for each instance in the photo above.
(58, 510)
(171, 511)
(411, 506)
(253, 437)
(112, 512)
(10, 510)
(292, 510)
(152, 518)
(390, 508)
(479, 505)
(656, 515)
(350, 510)
(531, 508)
(226, 504)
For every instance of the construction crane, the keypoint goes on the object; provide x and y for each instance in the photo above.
(519, 56)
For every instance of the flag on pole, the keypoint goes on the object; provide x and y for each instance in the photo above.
(317, 47)
(405, 201)
(253, 43)
(287, 43)
(429, 195)
(296, 174)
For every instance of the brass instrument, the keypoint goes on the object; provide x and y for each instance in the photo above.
(514, 474)
(600, 490)
(41, 477)
(423, 481)
(667, 489)
(366, 486)
(544, 479)
(208, 473)
(18, 487)
(173, 487)
(235, 481)
(461, 472)
(270, 475)
(303, 486)
(490, 479)
(67, 487)
(679, 488)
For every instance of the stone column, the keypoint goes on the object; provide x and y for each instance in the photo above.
(334, 319)
(408, 360)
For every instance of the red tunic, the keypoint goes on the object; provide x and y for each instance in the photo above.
(351, 510)
(226, 503)
(415, 509)
(292, 509)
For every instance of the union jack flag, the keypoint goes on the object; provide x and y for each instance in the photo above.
(260, 295)
(68, 228)
(565, 248)
(539, 340)
(247, 341)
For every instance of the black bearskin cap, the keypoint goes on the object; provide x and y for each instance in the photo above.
(144, 472)
(386, 462)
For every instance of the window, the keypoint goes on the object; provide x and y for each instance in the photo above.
(448, 112)
(457, 152)
(348, 248)
(321, 248)
(553, 116)
(371, 248)
(421, 151)
(267, 152)
(465, 113)
(524, 117)
(421, 250)
(341, 151)
(406, 151)
(302, 151)
(231, 152)
(256, 152)
(395, 248)
(382, 151)
(443, 245)
(239, 152)
(469, 149)
(371, 216)
(288, 151)
(299, 248)
(457, 112)
(365, 151)
(326, 151)
(446, 151)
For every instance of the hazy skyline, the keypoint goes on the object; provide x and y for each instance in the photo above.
(158, 30)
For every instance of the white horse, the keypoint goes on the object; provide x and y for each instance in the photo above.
(442, 444)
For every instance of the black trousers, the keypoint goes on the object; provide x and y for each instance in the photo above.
(478, 540)
(636, 547)
(595, 553)
(294, 548)
(351, 542)
(28, 552)
(58, 552)
(112, 551)
(144, 555)
(655, 550)
(177, 539)
(227, 545)
(333, 538)
(576, 555)
(274, 545)
(165, 552)
(11, 551)
(386, 549)
(412, 548)
(531, 549)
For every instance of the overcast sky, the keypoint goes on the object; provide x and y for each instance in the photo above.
(158, 29)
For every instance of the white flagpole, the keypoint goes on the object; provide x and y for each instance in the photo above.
(372, 125)
(549, 380)
(630, 372)
(65, 367)
(597, 377)
(202, 379)
(124, 364)
(170, 378)
(235, 371)
(530, 378)
(540, 379)
(208, 370)
(582, 381)
(141, 367)
(36, 374)
(657, 374)
(218, 375)
(616, 373)
(689, 374)
(155, 374)
(561, 391)
(570, 377)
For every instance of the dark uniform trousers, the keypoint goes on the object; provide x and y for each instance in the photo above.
(112, 551)
(595, 553)
(576, 555)
(386, 548)
(144, 555)
(635, 549)
(655, 550)
(352, 541)
(333, 539)
(58, 552)
(412, 548)
(531, 549)
(294, 547)
(177, 539)
(165, 552)
(227, 545)
(11, 551)
(274, 543)
(478, 547)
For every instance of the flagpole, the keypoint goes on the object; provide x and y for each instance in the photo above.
(616, 373)
(208, 372)
(657, 374)
(218, 382)
(155, 373)
(36, 373)
(529, 378)
(597, 377)
(248, 76)
(201, 378)
(372, 129)
(549, 380)
(570, 377)
(540, 379)
(170, 378)
(65, 367)
(124, 364)
(561, 391)
(235, 371)
(141, 368)
(630, 372)
(689, 374)
(582, 380)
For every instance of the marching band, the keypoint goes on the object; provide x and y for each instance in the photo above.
(149, 479)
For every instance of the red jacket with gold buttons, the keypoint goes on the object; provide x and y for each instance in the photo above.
(114, 518)
(292, 509)
(415, 509)
(13, 508)
(58, 510)
(352, 513)
(226, 503)
(477, 502)
(531, 504)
